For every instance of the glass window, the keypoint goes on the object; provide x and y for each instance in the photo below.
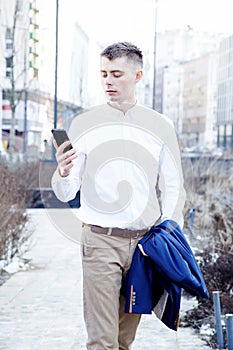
(8, 73)
(8, 35)
(9, 46)
(9, 62)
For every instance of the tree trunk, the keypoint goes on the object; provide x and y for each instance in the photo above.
(12, 79)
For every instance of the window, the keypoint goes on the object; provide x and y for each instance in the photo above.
(20, 5)
(9, 46)
(6, 94)
(8, 35)
(9, 62)
(8, 73)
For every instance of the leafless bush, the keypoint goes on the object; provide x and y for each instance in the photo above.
(14, 183)
(210, 192)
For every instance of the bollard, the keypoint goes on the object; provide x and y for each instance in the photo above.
(217, 311)
(191, 220)
(229, 318)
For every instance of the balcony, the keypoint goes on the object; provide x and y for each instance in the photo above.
(34, 36)
(32, 6)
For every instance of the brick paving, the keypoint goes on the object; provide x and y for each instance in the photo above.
(41, 307)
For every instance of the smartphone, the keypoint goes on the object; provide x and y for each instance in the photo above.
(60, 136)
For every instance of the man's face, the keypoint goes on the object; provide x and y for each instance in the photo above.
(119, 77)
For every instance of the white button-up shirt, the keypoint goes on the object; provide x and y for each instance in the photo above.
(128, 168)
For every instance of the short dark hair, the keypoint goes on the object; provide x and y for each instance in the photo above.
(121, 49)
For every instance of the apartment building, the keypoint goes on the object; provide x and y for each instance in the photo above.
(199, 101)
(27, 71)
(225, 94)
(18, 69)
(184, 45)
(33, 44)
(173, 82)
(175, 47)
(187, 91)
(78, 68)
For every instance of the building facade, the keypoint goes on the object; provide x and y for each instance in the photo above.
(33, 58)
(78, 75)
(187, 90)
(199, 102)
(27, 101)
(19, 68)
(225, 94)
(173, 94)
(184, 45)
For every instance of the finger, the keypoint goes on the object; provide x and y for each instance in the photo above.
(55, 144)
(60, 155)
(67, 168)
(68, 157)
(73, 153)
(61, 148)
(65, 171)
(65, 160)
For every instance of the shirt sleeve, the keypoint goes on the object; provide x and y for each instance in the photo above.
(66, 188)
(171, 184)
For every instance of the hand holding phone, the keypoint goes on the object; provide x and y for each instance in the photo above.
(60, 136)
(64, 159)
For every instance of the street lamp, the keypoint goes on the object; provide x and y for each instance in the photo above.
(25, 126)
(56, 64)
(155, 44)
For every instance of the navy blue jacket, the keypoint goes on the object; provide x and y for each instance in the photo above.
(160, 277)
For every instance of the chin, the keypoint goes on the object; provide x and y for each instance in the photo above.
(113, 99)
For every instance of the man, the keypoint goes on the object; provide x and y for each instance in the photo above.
(126, 162)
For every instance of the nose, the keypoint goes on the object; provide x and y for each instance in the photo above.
(108, 81)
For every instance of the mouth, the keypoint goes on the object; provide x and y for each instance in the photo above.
(110, 92)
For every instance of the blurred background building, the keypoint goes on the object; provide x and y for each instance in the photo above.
(225, 94)
(193, 85)
(27, 80)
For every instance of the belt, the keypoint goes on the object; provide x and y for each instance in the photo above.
(117, 232)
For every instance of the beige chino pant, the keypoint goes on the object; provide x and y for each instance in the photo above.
(105, 260)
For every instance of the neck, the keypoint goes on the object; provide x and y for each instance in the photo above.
(124, 106)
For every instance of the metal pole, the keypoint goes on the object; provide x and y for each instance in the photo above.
(155, 44)
(191, 220)
(1, 141)
(55, 80)
(56, 64)
(25, 139)
(229, 318)
(217, 311)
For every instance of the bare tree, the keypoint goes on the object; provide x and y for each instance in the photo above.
(15, 94)
(12, 81)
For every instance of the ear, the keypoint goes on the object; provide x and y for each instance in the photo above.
(139, 75)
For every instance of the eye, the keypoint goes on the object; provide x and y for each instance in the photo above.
(103, 74)
(117, 74)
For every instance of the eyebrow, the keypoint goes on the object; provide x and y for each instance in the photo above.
(113, 71)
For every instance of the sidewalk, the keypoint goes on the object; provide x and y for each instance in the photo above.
(41, 308)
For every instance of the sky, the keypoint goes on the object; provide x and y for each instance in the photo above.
(106, 22)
